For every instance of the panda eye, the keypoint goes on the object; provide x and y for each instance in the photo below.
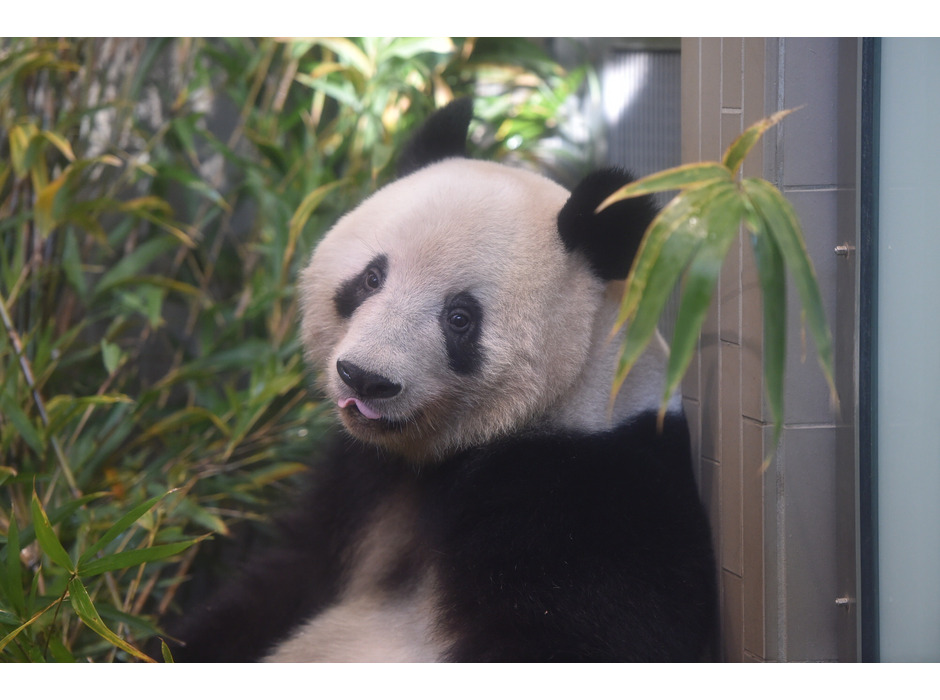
(459, 320)
(372, 279)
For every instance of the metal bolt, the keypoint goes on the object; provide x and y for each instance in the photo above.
(843, 250)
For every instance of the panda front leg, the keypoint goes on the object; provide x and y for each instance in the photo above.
(279, 589)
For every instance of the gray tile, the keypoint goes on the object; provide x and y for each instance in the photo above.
(806, 393)
(753, 497)
(809, 516)
(731, 460)
(731, 77)
(809, 136)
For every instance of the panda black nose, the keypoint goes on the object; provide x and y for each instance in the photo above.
(367, 385)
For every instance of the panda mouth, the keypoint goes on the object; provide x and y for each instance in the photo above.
(363, 414)
(363, 409)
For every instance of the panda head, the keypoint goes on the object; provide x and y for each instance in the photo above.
(460, 302)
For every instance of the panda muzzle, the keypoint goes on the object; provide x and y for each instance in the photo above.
(367, 386)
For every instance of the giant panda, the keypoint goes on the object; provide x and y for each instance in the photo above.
(486, 501)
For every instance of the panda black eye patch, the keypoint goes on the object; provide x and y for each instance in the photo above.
(360, 287)
(461, 321)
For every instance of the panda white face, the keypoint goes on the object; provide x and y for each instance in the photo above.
(445, 311)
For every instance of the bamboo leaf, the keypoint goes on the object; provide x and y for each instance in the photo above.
(678, 178)
(6, 473)
(60, 142)
(85, 609)
(22, 423)
(672, 236)
(21, 155)
(13, 581)
(301, 216)
(186, 179)
(111, 356)
(165, 650)
(45, 200)
(72, 264)
(348, 52)
(723, 222)
(670, 243)
(47, 538)
(405, 48)
(124, 560)
(781, 222)
(182, 418)
(59, 651)
(128, 519)
(772, 275)
(15, 633)
(199, 515)
(135, 262)
(63, 408)
(57, 515)
(742, 145)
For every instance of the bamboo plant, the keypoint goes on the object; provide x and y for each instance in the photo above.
(690, 238)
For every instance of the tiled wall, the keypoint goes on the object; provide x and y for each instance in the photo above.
(785, 537)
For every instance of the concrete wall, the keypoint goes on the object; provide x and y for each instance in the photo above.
(785, 538)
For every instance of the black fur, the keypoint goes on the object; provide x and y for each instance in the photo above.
(548, 548)
(464, 354)
(443, 135)
(279, 588)
(357, 289)
(611, 238)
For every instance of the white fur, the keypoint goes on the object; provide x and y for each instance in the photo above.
(464, 225)
(368, 623)
(455, 226)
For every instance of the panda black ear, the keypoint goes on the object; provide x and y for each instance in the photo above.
(443, 135)
(611, 238)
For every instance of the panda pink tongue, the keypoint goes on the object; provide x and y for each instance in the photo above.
(363, 408)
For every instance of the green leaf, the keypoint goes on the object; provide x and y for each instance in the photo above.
(194, 415)
(24, 426)
(679, 178)
(47, 538)
(667, 246)
(43, 213)
(85, 609)
(15, 633)
(111, 356)
(772, 276)
(59, 142)
(302, 215)
(128, 519)
(72, 264)
(124, 560)
(165, 650)
(349, 53)
(405, 48)
(21, 155)
(742, 145)
(132, 264)
(57, 515)
(780, 222)
(723, 222)
(59, 651)
(13, 581)
(63, 408)
(199, 515)
(6, 473)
